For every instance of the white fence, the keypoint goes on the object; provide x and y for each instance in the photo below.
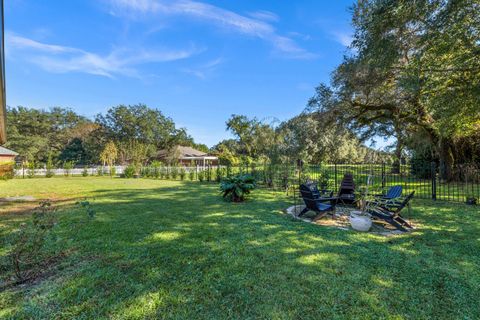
(93, 171)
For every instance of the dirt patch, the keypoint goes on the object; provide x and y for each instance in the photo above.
(340, 220)
(23, 207)
(16, 199)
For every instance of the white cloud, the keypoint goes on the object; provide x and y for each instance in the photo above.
(63, 59)
(255, 27)
(15, 41)
(204, 70)
(264, 15)
(343, 38)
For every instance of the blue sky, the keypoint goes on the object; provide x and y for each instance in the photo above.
(196, 61)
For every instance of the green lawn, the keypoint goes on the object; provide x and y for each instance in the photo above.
(176, 250)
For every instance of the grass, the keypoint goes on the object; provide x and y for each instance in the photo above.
(176, 250)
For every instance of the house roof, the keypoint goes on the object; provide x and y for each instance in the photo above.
(181, 152)
(7, 152)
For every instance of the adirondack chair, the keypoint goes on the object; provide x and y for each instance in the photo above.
(389, 212)
(392, 193)
(317, 192)
(346, 192)
(314, 202)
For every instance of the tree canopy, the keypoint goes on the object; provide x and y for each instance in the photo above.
(413, 72)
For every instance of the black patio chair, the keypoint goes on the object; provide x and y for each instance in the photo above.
(389, 198)
(392, 193)
(389, 212)
(317, 192)
(346, 192)
(315, 202)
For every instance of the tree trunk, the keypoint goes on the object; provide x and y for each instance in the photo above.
(398, 157)
(446, 159)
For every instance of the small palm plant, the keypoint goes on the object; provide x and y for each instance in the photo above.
(236, 188)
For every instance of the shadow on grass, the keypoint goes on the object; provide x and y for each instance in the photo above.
(182, 252)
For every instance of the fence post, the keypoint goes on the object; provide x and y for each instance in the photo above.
(434, 181)
(383, 175)
(335, 176)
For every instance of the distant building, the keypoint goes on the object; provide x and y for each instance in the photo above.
(186, 156)
(7, 155)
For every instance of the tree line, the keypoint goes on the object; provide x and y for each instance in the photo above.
(134, 134)
(301, 138)
(60, 135)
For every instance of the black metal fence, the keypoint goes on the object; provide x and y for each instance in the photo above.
(426, 180)
(429, 181)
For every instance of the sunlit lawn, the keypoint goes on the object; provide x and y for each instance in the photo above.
(176, 250)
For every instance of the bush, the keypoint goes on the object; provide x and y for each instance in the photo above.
(28, 254)
(182, 174)
(68, 166)
(85, 172)
(7, 170)
(99, 171)
(201, 175)
(174, 173)
(238, 187)
(191, 174)
(49, 166)
(167, 173)
(324, 179)
(210, 174)
(129, 171)
(220, 174)
(156, 169)
(163, 172)
(31, 169)
(113, 171)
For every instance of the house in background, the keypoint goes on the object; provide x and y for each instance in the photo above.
(7, 155)
(186, 156)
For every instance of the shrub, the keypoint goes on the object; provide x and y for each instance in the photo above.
(201, 175)
(145, 172)
(49, 166)
(85, 172)
(174, 173)
(129, 171)
(182, 174)
(99, 171)
(31, 169)
(238, 187)
(68, 166)
(29, 255)
(191, 174)
(163, 172)
(156, 169)
(210, 174)
(324, 179)
(7, 170)
(220, 174)
(167, 173)
(113, 171)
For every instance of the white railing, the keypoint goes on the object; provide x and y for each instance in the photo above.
(74, 172)
(93, 171)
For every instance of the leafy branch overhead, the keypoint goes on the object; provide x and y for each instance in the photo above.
(413, 73)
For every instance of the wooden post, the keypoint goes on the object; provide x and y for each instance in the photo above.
(3, 99)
